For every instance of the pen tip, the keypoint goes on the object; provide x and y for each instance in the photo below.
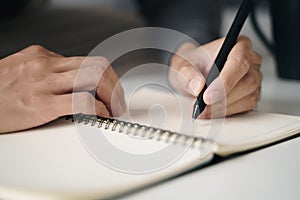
(195, 112)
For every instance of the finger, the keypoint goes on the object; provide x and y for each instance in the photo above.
(94, 75)
(118, 94)
(110, 91)
(200, 57)
(76, 103)
(61, 65)
(52, 64)
(106, 85)
(76, 78)
(107, 89)
(78, 62)
(233, 71)
(187, 79)
(237, 65)
(248, 84)
(244, 45)
(258, 61)
(245, 104)
(73, 81)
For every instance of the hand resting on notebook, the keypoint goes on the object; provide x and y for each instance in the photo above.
(241, 75)
(37, 84)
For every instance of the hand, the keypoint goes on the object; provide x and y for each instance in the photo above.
(241, 77)
(37, 84)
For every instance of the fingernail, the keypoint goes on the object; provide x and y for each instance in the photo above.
(212, 97)
(194, 86)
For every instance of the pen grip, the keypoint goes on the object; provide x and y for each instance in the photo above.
(230, 40)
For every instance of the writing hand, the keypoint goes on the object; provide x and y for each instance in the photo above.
(240, 76)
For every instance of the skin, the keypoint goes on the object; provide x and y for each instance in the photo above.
(241, 77)
(37, 84)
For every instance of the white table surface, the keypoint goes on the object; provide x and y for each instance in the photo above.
(270, 173)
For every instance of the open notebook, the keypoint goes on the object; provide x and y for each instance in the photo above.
(60, 161)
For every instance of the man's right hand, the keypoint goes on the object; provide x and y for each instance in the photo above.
(36, 86)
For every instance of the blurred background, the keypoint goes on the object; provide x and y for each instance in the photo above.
(32, 21)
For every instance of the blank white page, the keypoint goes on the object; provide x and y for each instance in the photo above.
(246, 129)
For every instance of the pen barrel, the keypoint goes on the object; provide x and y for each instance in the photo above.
(212, 75)
(230, 39)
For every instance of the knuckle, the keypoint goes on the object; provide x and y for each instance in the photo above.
(227, 84)
(242, 52)
(176, 61)
(253, 99)
(36, 48)
(245, 41)
(183, 74)
(251, 82)
(242, 58)
(259, 57)
(184, 70)
(244, 62)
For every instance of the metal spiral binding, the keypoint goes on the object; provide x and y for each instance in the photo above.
(136, 129)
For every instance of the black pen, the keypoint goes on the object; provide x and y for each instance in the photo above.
(230, 40)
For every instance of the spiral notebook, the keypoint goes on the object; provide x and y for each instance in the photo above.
(112, 157)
